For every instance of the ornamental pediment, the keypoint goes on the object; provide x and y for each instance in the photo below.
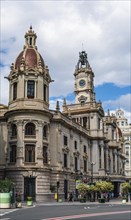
(77, 153)
(65, 149)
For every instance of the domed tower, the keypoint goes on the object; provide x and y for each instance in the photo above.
(29, 78)
(28, 121)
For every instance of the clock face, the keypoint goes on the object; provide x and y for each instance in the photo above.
(82, 82)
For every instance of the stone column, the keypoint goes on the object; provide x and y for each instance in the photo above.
(102, 156)
(111, 160)
(59, 146)
(36, 89)
(115, 161)
(39, 144)
(20, 146)
(107, 159)
(25, 88)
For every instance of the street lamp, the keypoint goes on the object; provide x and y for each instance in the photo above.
(92, 164)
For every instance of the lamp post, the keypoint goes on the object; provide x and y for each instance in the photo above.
(92, 164)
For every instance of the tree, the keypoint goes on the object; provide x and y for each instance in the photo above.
(104, 186)
(82, 189)
(6, 185)
(125, 188)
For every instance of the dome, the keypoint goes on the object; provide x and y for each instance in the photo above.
(30, 57)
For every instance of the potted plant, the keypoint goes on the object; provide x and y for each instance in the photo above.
(92, 190)
(101, 200)
(18, 201)
(29, 201)
(124, 199)
(6, 186)
(104, 187)
(82, 189)
(125, 191)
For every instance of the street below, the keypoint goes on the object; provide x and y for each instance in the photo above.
(70, 211)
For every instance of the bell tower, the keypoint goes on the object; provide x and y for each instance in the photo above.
(84, 80)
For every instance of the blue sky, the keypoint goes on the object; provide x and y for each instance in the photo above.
(64, 28)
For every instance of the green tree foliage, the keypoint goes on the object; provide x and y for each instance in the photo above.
(82, 188)
(126, 187)
(103, 186)
(6, 185)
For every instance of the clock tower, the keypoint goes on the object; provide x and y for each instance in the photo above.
(84, 82)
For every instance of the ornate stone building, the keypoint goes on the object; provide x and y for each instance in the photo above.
(41, 149)
(125, 127)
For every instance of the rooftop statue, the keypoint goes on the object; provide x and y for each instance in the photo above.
(82, 62)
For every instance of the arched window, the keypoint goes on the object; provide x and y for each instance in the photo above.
(45, 130)
(30, 129)
(13, 130)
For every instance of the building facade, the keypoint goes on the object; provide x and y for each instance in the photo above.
(42, 149)
(125, 127)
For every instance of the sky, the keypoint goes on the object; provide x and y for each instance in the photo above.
(65, 28)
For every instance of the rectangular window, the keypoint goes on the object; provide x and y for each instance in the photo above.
(45, 93)
(75, 145)
(45, 154)
(12, 153)
(85, 165)
(30, 89)
(76, 164)
(85, 122)
(29, 153)
(85, 151)
(14, 91)
(65, 140)
(65, 160)
(112, 134)
(99, 123)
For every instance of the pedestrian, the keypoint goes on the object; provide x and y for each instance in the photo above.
(70, 197)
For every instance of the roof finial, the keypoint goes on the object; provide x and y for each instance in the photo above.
(57, 106)
(82, 46)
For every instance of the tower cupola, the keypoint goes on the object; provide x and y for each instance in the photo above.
(29, 77)
(30, 39)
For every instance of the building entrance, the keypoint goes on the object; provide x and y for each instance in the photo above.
(66, 189)
(29, 187)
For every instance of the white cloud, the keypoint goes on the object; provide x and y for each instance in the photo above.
(61, 27)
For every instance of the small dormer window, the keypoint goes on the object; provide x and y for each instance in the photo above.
(30, 41)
